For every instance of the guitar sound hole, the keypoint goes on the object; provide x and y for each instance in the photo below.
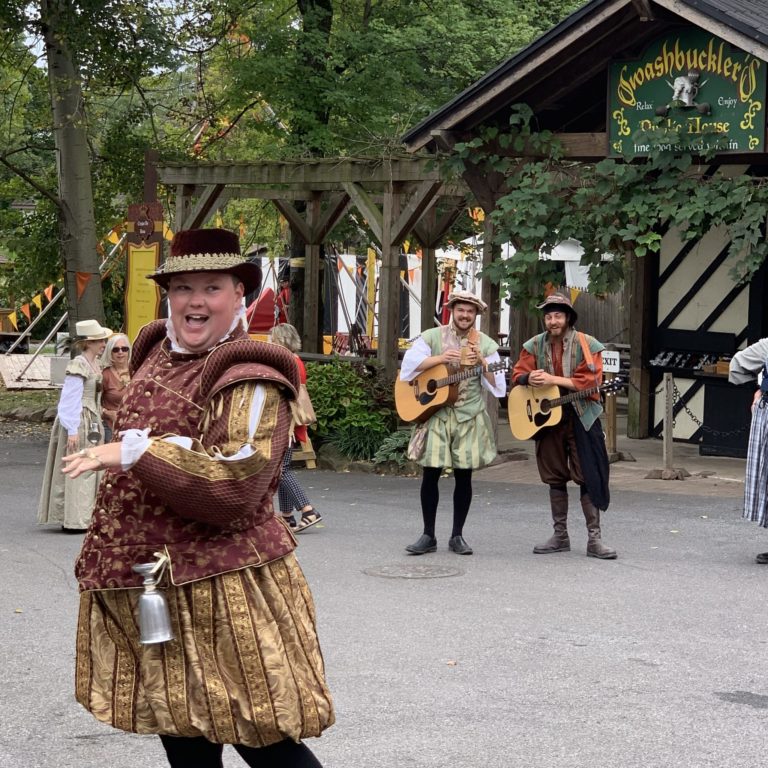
(431, 386)
(544, 406)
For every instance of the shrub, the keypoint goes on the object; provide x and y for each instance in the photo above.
(394, 448)
(354, 407)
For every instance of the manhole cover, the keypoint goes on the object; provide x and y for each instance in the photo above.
(413, 571)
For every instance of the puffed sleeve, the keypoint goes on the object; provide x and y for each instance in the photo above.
(221, 476)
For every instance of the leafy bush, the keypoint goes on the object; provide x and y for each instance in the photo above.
(354, 407)
(334, 388)
(394, 448)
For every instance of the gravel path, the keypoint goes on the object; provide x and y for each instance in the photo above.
(13, 429)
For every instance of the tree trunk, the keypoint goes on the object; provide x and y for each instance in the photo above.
(77, 224)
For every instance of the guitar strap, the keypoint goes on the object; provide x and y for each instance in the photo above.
(587, 354)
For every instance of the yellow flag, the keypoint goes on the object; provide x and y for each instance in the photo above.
(574, 294)
(12, 320)
(219, 220)
(38, 301)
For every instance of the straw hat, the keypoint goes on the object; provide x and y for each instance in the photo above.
(208, 250)
(466, 297)
(90, 330)
(558, 302)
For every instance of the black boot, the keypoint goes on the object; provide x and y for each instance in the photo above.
(559, 541)
(595, 546)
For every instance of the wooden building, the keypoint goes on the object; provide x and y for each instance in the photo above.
(593, 79)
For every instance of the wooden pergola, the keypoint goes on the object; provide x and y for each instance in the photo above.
(399, 198)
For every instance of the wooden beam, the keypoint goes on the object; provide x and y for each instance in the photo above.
(363, 202)
(644, 10)
(691, 15)
(183, 204)
(424, 197)
(295, 219)
(431, 229)
(336, 208)
(334, 171)
(206, 202)
(584, 146)
(444, 140)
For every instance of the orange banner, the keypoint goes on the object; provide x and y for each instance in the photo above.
(82, 279)
(48, 292)
(25, 310)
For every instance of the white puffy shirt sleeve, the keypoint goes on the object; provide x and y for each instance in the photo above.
(413, 358)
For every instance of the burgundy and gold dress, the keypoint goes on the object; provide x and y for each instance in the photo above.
(245, 666)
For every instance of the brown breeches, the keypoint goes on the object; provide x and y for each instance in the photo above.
(556, 454)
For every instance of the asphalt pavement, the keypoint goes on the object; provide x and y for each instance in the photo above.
(500, 659)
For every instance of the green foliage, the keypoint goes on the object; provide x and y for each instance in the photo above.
(361, 432)
(616, 207)
(354, 412)
(394, 448)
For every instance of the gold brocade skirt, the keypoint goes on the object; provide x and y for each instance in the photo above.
(245, 666)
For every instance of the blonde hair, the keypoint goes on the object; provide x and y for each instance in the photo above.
(106, 358)
(286, 336)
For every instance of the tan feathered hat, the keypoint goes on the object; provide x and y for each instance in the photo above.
(466, 297)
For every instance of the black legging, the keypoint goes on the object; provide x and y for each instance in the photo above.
(198, 752)
(430, 496)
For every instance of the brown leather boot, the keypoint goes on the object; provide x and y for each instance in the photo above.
(559, 541)
(595, 546)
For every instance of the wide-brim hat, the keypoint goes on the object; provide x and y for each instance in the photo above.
(208, 250)
(466, 297)
(90, 330)
(558, 302)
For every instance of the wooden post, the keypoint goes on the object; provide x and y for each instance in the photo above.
(489, 322)
(428, 287)
(669, 429)
(638, 409)
(389, 284)
(312, 327)
(610, 422)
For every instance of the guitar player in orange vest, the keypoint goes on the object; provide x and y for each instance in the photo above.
(574, 448)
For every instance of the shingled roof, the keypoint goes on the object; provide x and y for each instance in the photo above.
(562, 75)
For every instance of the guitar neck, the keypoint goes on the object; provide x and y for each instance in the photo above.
(580, 395)
(461, 375)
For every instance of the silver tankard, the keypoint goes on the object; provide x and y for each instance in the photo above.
(154, 617)
(94, 433)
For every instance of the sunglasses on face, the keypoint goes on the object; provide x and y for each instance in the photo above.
(121, 349)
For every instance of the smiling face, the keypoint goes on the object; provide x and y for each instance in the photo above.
(463, 315)
(203, 306)
(556, 323)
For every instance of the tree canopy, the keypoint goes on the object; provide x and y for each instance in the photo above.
(223, 79)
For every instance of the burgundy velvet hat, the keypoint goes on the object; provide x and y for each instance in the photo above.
(208, 250)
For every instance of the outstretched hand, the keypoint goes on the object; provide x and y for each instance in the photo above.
(92, 459)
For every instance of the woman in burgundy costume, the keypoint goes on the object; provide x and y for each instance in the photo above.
(203, 428)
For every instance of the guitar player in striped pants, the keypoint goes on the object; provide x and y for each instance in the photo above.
(574, 448)
(458, 435)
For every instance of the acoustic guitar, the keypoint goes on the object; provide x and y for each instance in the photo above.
(434, 389)
(533, 408)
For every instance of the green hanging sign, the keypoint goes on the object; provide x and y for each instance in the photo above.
(710, 94)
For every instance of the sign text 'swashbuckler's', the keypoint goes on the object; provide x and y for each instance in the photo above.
(709, 93)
